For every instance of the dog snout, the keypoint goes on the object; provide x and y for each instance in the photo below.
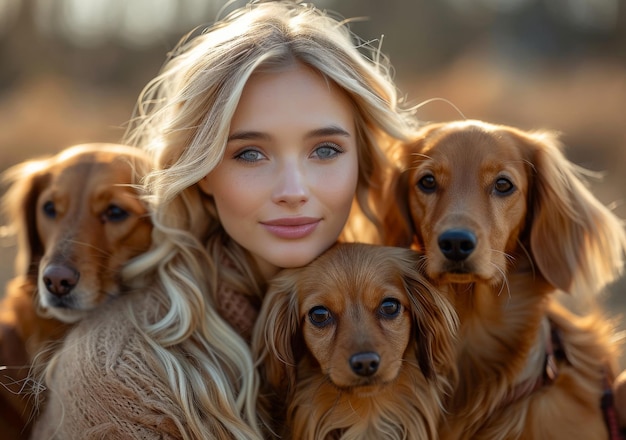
(365, 364)
(457, 244)
(60, 280)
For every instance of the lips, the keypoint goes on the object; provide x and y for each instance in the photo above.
(291, 228)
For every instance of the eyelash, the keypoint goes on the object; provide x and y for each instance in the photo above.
(330, 145)
(239, 155)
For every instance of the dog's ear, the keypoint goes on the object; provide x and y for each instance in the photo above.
(577, 243)
(436, 323)
(399, 228)
(397, 224)
(25, 182)
(277, 337)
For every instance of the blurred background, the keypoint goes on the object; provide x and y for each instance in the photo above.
(71, 70)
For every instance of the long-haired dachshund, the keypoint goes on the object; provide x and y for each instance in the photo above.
(504, 220)
(355, 345)
(78, 218)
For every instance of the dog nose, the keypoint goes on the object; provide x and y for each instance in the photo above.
(60, 280)
(365, 364)
(457, 244)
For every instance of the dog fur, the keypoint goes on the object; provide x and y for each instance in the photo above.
(78, 219)
(356, 345)
(505, 221)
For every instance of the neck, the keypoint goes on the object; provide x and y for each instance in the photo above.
(502, 340)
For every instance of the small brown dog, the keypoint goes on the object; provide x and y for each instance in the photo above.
(78, 219)
(356, 345)
(504, 221)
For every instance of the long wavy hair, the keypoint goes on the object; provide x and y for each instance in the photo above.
(182, 118)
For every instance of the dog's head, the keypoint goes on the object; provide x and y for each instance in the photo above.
(78, 219)
(356, 314)
(474, 196)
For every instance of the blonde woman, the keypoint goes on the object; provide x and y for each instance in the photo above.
(266, 129)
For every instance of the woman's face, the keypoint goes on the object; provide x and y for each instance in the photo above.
(289, 174)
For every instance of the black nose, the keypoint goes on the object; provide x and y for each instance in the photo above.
(60, 280)
(457, 244)
(365, 364)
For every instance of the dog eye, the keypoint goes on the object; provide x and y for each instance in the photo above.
(503, 186)
(115, 214)
(320, 316)
(427, 184)
(389, 307)
(49, 209)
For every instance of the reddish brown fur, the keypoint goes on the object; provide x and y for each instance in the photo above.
(306, 367)
(547, 233)
(87, 235)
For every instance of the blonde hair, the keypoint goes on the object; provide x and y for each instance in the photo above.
(182, 118)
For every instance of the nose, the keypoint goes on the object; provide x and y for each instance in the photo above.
(365, 363)
(291, 188)
(457, 244)
(60, 280)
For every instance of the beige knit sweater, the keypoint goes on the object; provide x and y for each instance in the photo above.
(104, 387)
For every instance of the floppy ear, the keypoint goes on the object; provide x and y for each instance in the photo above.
(25, 182)
(277, 337)
(398, 227)
(578, 244)
(436, 324)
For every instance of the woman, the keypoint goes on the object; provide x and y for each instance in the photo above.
(266, 129)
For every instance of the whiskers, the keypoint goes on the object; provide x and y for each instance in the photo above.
(445, 101)
(504, 284)
(529, 257)
(502, 280)
(80, 243)
(416, 158)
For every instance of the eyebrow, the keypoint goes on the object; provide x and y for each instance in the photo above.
(331, 130)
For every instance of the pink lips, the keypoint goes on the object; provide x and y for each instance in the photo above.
(291, 228)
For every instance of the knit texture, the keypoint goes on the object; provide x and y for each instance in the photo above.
(238, 310)
(106, 384)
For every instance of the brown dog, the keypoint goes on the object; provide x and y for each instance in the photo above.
(356, 345)
(504, 220)
(78, 219)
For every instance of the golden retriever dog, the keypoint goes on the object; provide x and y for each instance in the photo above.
(78, 219)
(504, 222)
(356, 345)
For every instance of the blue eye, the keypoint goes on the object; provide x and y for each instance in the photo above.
(249, 156)
(327, 151)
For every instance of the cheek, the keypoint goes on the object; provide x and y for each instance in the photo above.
(129, 238)
(337, 185)
(338, 197)
(44, 227)
(396, 336)
(417, 211)
(319, 342)
(234, 200)
(509, 220)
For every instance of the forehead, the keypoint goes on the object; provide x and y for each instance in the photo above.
(339, 281)
(85, 170)
(472, 146)
(295, 96)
